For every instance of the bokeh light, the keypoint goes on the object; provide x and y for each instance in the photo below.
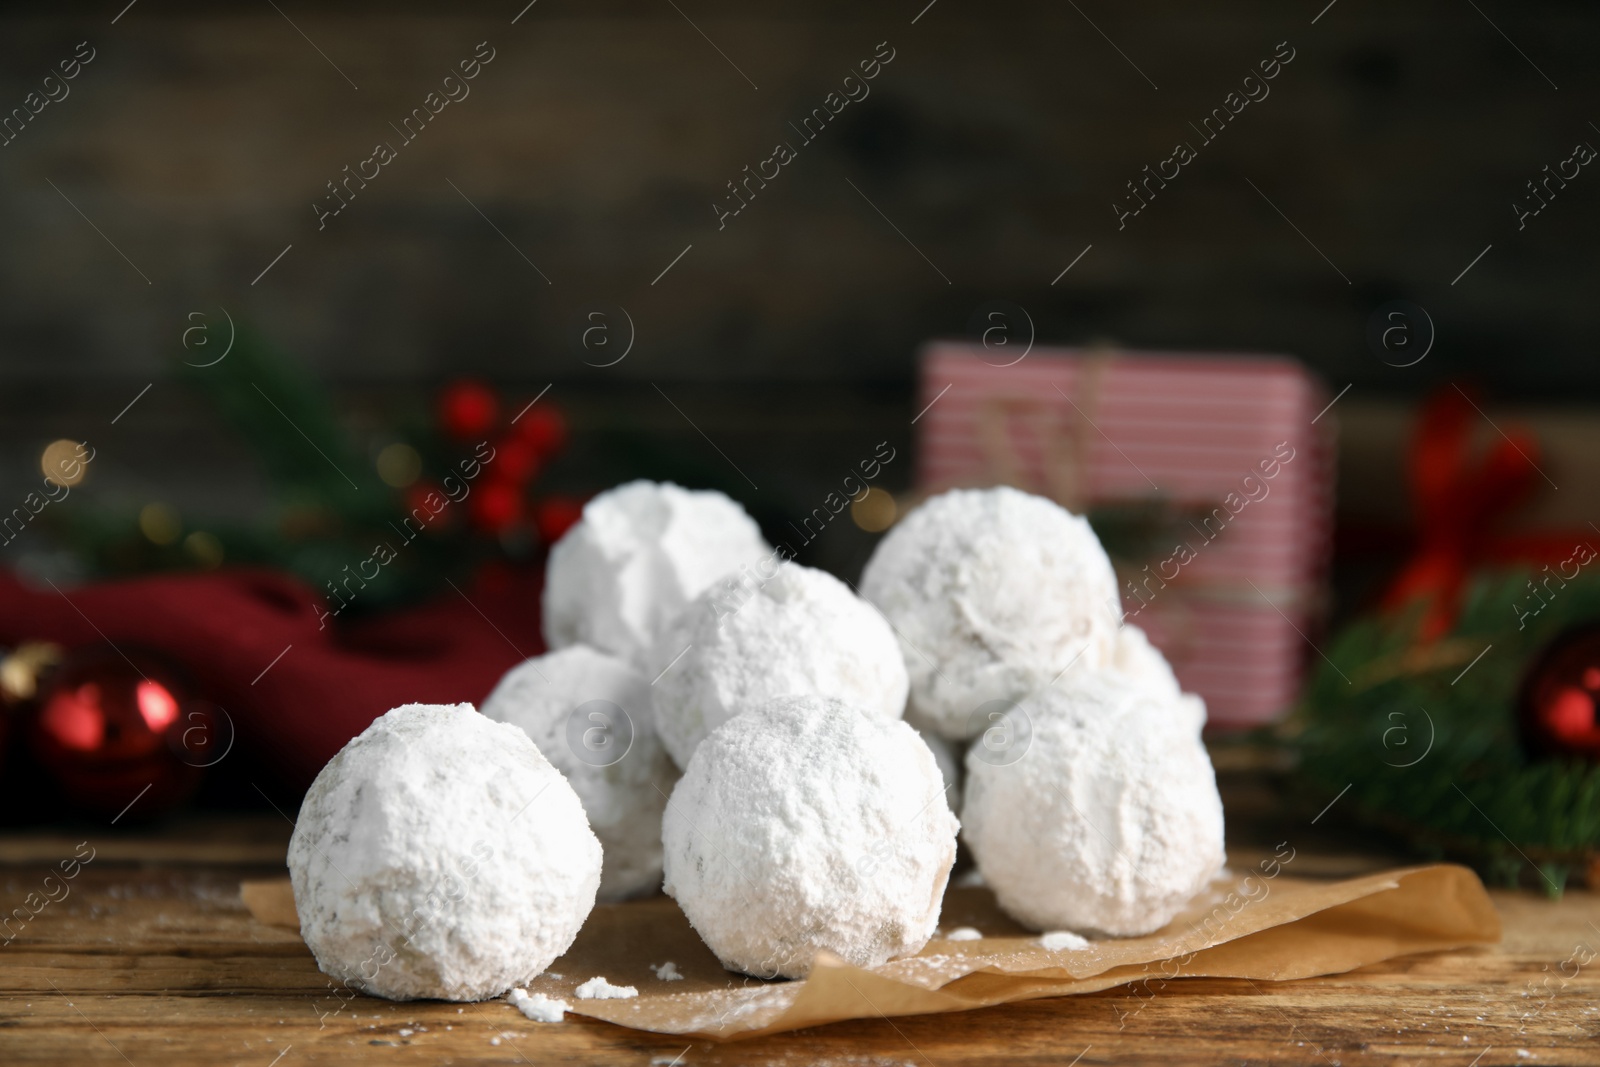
(63, 462)
(399, 465)
(160, 523)
(874, 511)
(204, 549)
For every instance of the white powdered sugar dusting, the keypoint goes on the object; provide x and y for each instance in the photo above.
(964, 933)
(741, 644)
(537, 1006)
(809, 825)
(440, 855)
(733, 1009)
(667, 972)
(993, 593)
(1109, 822)
(640, 553)
(589, 713)
(598, 988)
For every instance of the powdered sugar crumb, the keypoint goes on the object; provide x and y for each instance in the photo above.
(667, 972)
(598, 988)
(1057, 940)
(537, 1006)
(964, 933)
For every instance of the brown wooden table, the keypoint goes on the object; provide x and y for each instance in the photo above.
(153, 961)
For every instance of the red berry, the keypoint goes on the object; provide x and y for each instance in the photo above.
(555, 515)
(515, 461)
(544, 427)
(495, 506)
(468, 410)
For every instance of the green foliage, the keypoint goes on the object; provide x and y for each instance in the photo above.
(329, 512)
(289, 419)
(1475, 792)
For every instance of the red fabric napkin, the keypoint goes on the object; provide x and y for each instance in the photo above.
(249, 640)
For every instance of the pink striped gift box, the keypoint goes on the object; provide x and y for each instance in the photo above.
(1224, 447)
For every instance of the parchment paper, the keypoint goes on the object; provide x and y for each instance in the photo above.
(1244, 926)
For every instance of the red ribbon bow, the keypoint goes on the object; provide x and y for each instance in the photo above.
(1460, 499)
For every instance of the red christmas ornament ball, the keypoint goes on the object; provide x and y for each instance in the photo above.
(545, 428)
(1560, 697)
(112, 735)
(468, 410)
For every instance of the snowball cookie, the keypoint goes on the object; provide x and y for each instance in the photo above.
(589, 713)
(440, 855)
(639, 554)
(1136, 659)
(807, 825)
(786, 631)
(1107, 821)
(993, 593)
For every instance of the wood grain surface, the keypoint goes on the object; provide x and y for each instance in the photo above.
(156, 961)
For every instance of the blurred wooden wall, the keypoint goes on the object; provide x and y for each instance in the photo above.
(600, 136)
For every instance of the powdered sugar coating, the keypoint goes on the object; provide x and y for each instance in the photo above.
(611, 756)
(993, 592)
(809, 825)
(948, 755)
(1136, 659)
(440, 855)
(1109, 823)
(786, 631)
(640, 553)
(1141, 662)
